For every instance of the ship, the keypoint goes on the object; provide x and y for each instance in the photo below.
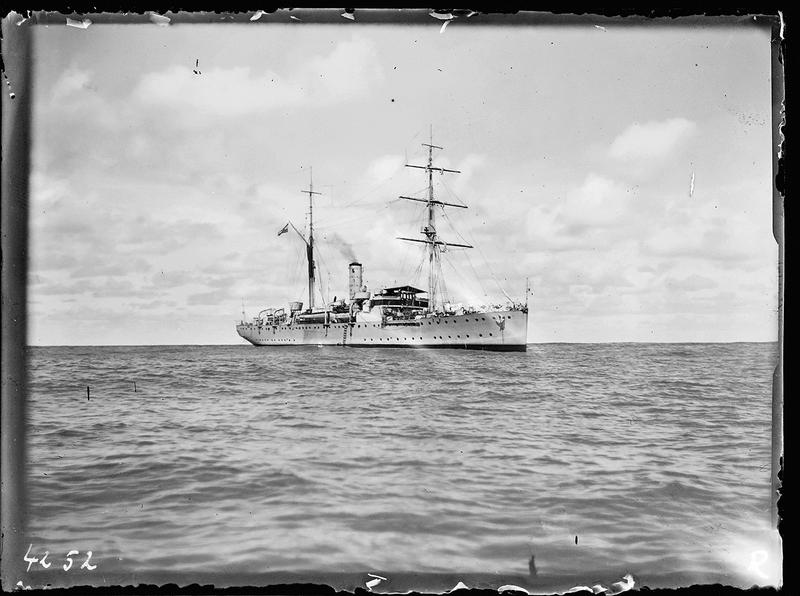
(401, 316)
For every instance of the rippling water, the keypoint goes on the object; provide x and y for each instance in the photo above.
(232, 461)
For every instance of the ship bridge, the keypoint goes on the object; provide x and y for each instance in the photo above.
(400, 296)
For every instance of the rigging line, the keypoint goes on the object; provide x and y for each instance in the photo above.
(322, 268)
(416, 134)
(295, 270)
(381, 183)
(485, 260)
(471, 266)
(494, 277)
(416, 278)
(454, 229)
(420, 264)
(464, 280)
(418, 271)
(469, 260)
(360, 198)
(295, 279)
(372, 214)
(451, 192)
(420, 191)
(417, 153)
(406, 251)
(442, 285)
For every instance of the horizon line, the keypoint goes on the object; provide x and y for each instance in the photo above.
(611, 342)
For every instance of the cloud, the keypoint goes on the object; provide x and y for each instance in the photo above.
(651, 140)
(212, 298)
(90, 268)
(599, 201)
(75, 104)
(219, 92)
(692, 283)
(346, 72)
(142, 167)
(599, 212)
(702, 234)
(382, 168)
(71, 81)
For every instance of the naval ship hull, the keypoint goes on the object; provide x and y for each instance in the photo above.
(497, 330)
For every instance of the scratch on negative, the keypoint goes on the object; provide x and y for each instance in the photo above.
(159, 20)
(374, 582)
(83, 24)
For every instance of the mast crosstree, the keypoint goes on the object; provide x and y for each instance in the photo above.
(435, 245)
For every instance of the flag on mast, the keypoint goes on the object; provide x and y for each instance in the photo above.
(284, 229)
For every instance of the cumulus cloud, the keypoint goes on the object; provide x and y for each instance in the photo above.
(596, 213)
(651, 140)
(703, 234)
(382, 168)
(598, 201)
(156, 190)
(346, 72)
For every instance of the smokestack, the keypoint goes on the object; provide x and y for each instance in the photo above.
(355, 279)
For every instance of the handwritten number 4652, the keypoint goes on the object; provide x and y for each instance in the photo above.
(67, 566)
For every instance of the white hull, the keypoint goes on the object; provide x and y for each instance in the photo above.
(497, 330)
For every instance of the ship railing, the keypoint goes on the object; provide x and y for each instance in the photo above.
(452, 311)
(270, 316)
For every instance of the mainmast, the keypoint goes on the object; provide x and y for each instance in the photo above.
(435, 246)
(310, 241)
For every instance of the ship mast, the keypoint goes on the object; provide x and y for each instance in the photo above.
(435, 246)
(310, 241)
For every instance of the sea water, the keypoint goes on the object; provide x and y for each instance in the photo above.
(227, 464)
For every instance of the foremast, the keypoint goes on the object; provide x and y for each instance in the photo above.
(435, 246)
(310, 241)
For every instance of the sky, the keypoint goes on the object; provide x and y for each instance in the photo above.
(624, 169)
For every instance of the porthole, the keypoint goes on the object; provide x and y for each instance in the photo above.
(483, 318)
(490, 334)
(480, 335)
(467, 335)
(458, 336)
(509, 316)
